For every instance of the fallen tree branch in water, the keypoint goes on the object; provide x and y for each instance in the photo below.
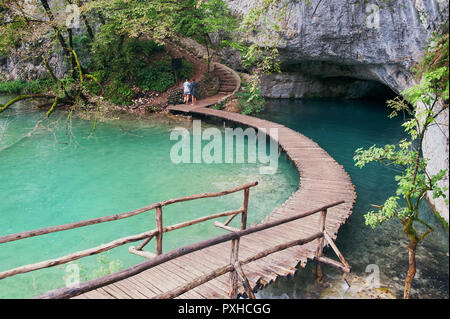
(36, 126)
(24, 97)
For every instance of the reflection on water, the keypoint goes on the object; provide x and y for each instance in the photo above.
(340, 127)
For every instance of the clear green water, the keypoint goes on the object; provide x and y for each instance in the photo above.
(63, 174)
(340, 127)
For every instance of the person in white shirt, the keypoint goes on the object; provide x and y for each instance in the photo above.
(186, 91)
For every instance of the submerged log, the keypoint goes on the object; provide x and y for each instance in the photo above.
(24, 97)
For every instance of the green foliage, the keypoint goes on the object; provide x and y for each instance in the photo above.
(186, 70)
(118, 61)
(67, 82)
(266, 59)
(132, 18)
(217, 106)
(197, 19)
(413, 181)
(250, 99)
(82, 45)
(10, 34)
(119, 92)
(25, 87)
(93, 87)
(157, 77)
(147, 48)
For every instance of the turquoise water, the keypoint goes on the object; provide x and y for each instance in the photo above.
(340, 127)
(62, 173)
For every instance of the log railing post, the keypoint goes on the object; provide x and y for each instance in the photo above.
(234, 259)
(245, 282)
(245, 209)
(319, 250)
(159, 226)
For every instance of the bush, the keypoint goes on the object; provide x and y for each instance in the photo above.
(164, 81)
(12, 87)
(250, 103)
(25, 87)
(136, 46)
(119, 93)
(157, 77)
(186, 70)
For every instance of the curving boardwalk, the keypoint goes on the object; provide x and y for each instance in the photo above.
(322, 181)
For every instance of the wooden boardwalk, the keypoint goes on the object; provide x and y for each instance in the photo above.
(322, 181)
(241, 261)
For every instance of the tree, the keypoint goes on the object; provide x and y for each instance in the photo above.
(202, 18)
(422, 103)
(38, 22)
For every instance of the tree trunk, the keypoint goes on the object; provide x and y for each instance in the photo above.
(208, 60)
(412, 269)
(51, 17)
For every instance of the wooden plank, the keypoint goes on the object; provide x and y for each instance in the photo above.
(172, 273)
(116, 292)
(195, 263)
(208, 290)
(144, 288)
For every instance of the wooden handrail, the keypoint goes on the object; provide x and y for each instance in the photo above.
(76, 255)
(158, 232)
(69, 292)
(229, 268)
(58, 228)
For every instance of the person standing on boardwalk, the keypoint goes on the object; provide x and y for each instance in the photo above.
(186, 91)
(194, 91)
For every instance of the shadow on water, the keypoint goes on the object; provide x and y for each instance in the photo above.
(340, 127)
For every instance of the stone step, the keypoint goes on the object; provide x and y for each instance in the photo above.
(227, 79)
(223, 73)
(229, 87)
(228, 82)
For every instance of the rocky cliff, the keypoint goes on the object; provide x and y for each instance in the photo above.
(346, 48)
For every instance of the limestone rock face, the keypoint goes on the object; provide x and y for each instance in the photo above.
(349, 38)
(329, 42)
(25, 61)
(24, 64)
(435, 148)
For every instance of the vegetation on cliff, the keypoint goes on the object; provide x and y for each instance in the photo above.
(119, 50)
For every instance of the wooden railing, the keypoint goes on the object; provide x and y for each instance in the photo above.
(235, 266)
(154, 259)
(146, 236)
